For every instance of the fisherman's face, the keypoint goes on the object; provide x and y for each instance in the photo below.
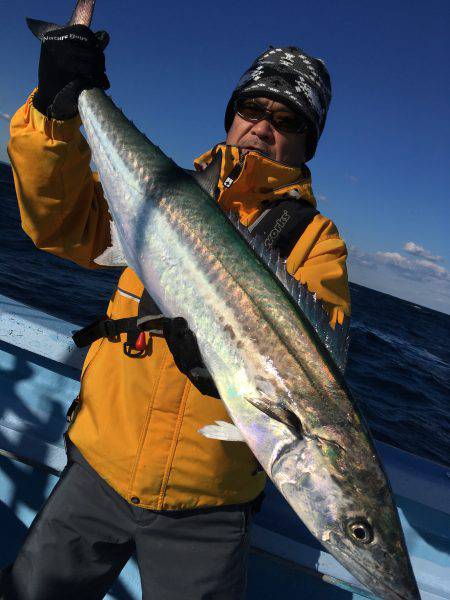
(288, 148)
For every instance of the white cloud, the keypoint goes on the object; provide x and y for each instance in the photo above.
(5, 116)
(365, 259)
(352, 178)
(413, 268)
(433, 267)
(393, 258)
(417, 269)
(418, 250)
(413, 278)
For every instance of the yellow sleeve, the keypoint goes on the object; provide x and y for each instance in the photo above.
(318, 260)
(61, 202)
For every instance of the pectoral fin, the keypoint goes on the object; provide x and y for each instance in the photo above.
(222, 430)
(276, 410)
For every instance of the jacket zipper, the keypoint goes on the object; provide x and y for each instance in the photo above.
(234, 173)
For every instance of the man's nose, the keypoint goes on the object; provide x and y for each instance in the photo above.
(263, 129)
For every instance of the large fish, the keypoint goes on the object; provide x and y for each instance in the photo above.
(275, 374)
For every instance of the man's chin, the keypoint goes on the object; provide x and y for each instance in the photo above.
(246, 150)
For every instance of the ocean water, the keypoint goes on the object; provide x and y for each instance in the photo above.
(399, 357)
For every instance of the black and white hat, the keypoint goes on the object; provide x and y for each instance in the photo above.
(290, 76)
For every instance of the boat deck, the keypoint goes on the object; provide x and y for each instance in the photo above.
(39, 374)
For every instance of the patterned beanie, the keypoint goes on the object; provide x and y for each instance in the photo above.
(290, 76)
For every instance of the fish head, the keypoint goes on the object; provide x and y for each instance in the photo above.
(345, 501)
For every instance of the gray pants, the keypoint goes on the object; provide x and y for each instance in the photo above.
(85, 533)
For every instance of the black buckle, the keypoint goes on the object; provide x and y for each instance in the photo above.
(130, 349)
(74, 409)
(109, 329)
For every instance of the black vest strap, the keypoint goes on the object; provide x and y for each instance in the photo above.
(281, 225)
(109, 328)
(149, 315)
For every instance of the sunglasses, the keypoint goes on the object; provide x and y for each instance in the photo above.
(283, 121)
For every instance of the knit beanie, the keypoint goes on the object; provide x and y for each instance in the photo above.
(288, 75)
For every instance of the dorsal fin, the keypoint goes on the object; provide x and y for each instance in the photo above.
(335, 340)
(209, 177)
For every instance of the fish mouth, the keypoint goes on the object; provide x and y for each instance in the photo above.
(410, 592)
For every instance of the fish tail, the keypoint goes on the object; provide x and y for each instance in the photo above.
(82, 15)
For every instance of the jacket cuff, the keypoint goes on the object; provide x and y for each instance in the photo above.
(60, 131)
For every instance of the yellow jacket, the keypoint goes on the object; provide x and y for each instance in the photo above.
(139, 418)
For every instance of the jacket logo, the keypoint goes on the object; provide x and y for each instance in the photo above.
(280, 223)
(66, 36)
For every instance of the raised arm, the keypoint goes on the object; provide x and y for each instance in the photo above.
(61, 201)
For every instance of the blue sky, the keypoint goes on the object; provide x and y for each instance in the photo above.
(382, 167)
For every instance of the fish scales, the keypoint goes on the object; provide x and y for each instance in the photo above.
(188, 221)
(265, 359)
(195, 231)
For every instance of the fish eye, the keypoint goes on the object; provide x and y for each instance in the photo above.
(360, 531)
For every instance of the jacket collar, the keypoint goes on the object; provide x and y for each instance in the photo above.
(249, 184)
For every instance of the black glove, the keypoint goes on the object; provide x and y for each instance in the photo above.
(186, 354)
(72, 60)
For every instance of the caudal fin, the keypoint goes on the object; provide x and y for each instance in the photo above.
(82, 15)
(40, 28)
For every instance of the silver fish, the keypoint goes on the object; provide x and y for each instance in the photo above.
(277, 378)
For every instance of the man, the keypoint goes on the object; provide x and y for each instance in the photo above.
(140, 476)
